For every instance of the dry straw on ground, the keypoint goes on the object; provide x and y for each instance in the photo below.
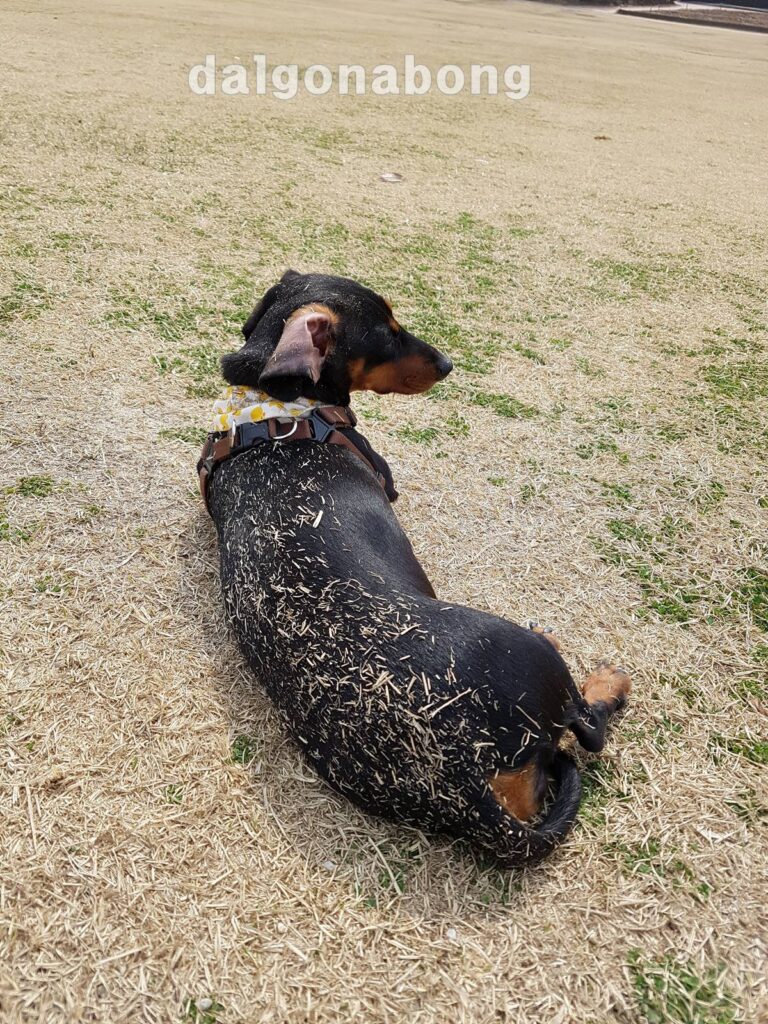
(594, 259)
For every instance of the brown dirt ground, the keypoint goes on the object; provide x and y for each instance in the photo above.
(595, 260)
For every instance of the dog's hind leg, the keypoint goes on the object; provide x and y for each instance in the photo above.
(603, 693)
(546, 631)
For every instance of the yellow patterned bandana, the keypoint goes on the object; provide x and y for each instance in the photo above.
(242, 405)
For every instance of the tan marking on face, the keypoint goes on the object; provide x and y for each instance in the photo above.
(394, 325)
(408, 376)
(608, 684)
(520, 793)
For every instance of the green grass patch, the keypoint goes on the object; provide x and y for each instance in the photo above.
(32, 487)
(25, 301)
(456, 426)
(398, 865)
(583, 365)
(418, 435)
(749, 686)
(597, 780)
(668, 991)
(504, 405)
(325, 243)
(638, 276)
(197, 329)
(619, 493)
(753, 594)
(649, 557)
(602, 783)
(711, 495)
(452, 268)
(723, 341)
(333, 139)
(173, 794)
(743, 381)
(685, 686)
(671, 432)
(189, 434)
(753, 750)
(560, 344)
(602, 445)
(198, 365)
(732, 428)
(91, 512)
(432, 324)
(244, 749)
(647, 858)
(132, 312)
(654, 277)
(517, 232)
(675, 600)
(21, 534)
(676, 604)
(747, 805)
(625, 529)
(613, 403)
(202, 1011)
(529, 353)
(50, 584)
(62, 240)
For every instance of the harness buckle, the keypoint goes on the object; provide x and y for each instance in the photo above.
(321, 428)
(247, 434)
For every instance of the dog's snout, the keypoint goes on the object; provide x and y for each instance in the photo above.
(444, 366)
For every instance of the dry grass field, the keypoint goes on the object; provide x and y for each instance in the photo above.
(594, 260)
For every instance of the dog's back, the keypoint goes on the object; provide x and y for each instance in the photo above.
(405, 704)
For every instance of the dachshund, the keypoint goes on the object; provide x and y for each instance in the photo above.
(419, 710)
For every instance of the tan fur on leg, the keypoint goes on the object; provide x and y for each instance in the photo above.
(520, 793)
(608, 684)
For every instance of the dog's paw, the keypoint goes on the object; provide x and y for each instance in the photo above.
(609, 683)
(545, 631)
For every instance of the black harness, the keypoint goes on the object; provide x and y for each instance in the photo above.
(324, 425)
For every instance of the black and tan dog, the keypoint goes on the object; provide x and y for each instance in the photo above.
(416, 709)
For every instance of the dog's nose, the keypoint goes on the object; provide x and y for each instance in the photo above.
(444, 366)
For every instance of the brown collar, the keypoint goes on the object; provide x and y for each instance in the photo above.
(326, 424)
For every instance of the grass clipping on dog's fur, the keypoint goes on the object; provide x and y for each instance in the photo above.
(596, 461)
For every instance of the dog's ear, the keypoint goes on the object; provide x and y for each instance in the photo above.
(266, 301)
(297, 361)
(245, 367)
(259, 311)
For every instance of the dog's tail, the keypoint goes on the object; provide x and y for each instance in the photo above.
(515, 843)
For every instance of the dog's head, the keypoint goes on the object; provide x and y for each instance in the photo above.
(318, 336)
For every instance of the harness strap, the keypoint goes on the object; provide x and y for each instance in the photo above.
(326, 425)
